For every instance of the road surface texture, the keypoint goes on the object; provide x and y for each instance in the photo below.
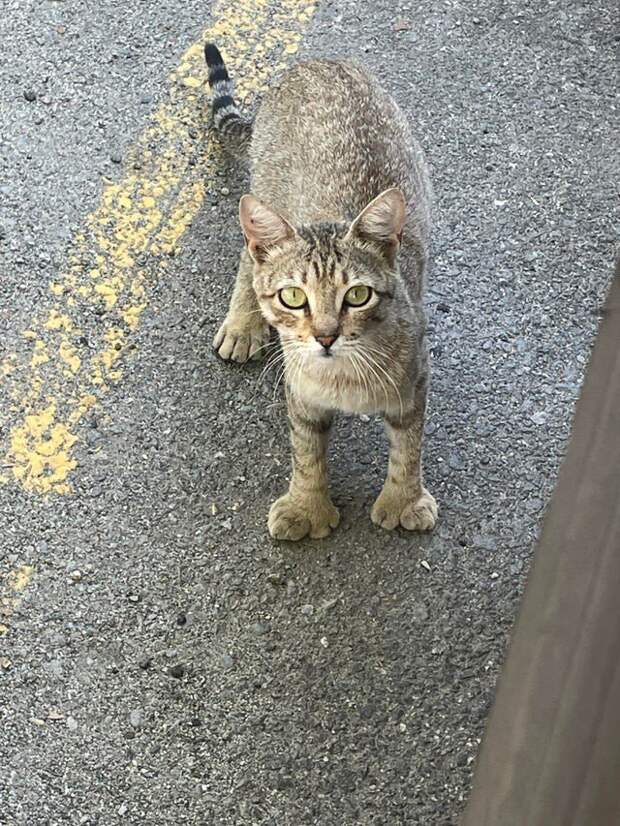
(162, 660)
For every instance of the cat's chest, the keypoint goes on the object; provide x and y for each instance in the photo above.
(350, 394)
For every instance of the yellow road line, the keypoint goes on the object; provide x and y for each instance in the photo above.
(76, 346)
(11, 593)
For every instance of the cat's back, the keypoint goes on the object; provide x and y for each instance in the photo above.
(327, 139)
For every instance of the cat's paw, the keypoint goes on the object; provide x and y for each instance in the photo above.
(294, 517)
(241, 341)
(395, 507)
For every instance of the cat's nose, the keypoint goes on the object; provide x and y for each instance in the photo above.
(326, 341)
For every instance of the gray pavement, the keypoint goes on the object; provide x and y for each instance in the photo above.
(194, 671)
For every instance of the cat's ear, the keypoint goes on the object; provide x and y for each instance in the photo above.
(382, 221)
(263, 228)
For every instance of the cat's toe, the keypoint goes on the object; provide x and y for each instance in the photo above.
(420, 515)
(324, 522)
(286, 521)
(293, 519)
(385, 515)
(393, 508)
(240, 343)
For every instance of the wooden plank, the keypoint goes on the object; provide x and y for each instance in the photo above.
(551, 753)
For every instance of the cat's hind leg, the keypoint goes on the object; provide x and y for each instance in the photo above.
(244, 332)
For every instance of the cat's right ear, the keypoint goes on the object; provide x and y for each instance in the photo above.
(263, 228)
(382, 222)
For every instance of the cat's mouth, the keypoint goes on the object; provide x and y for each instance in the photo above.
(320, 353)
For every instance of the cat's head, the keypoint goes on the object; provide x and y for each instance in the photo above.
(326, 288)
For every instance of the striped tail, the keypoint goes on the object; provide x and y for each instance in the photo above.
(236, 132)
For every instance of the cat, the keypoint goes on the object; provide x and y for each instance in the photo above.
(336, 252)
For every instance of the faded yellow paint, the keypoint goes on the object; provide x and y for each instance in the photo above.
(127, 242)
(20, 577)
(131, 315)
(7, 365)
(68, 353)
(83, 406)
(39, 355)
(58, 321)
(187, 205)
(40, 449)
(109, 291)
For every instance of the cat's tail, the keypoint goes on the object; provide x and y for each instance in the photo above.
(235, 131)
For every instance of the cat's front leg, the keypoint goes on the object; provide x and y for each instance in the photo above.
(244, 332)
(306, 509)
(404, 500)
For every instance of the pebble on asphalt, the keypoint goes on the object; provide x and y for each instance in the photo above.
(259, 628)
(136, 718)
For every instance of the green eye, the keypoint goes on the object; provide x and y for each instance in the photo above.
(358, 295)
(293, 297)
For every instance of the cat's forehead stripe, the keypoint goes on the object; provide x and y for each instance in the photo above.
(323, 254)
(324, 267)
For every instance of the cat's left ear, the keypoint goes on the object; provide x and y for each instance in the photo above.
(382, 221)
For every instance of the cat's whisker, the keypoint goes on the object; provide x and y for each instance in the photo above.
(387, 375)
(364, 370)
(365, 384)
(288, 351)
(297, 367)
(380, 381)
(266, 346)
(352, 361)
(354, 356)
(292, 367)
(369, 364)
(273, 359)
(263, 374)
(278, 381)
(259, 381)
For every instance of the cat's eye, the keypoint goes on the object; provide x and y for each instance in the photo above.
(293, 297)
(357, 296)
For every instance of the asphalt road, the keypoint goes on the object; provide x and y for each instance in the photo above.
(162, 660)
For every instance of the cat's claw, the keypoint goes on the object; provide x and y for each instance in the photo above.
(394, 507)
(293, 518)
(241, 342)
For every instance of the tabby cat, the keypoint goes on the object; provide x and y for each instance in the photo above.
(336, 231)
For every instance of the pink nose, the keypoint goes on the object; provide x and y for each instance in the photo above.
(326, 341)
